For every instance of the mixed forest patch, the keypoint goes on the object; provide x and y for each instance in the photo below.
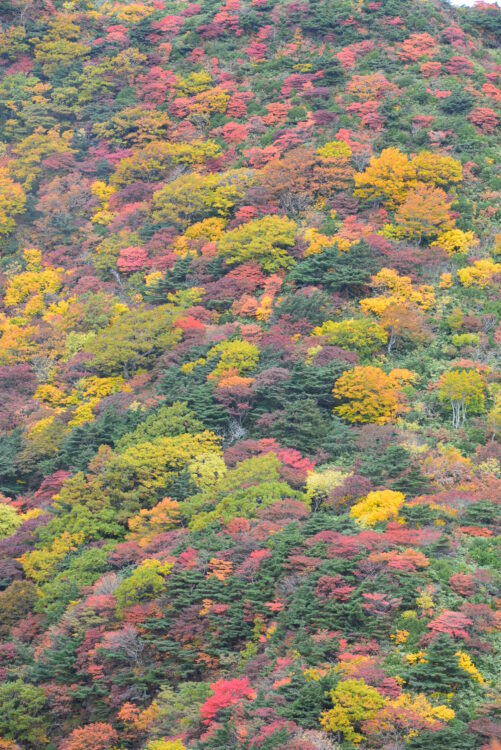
(250, 413)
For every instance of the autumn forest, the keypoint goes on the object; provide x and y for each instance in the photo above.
(250, 375)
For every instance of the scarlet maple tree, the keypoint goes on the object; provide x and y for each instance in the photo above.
(225, 693)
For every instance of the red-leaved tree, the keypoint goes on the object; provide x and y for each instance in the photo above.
(225, 693)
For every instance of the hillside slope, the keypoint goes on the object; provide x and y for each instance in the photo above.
(250, 380)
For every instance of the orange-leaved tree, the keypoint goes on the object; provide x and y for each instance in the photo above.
(423, 215)
(403, 320)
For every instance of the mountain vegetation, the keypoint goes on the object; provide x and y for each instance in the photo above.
(250, 375)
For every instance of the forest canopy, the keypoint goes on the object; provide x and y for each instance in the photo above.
(250, 413)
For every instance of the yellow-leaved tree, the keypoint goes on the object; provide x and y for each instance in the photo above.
(464, 390)
(364, 335)
(12, 202)
(390, 177)
(353, 703)
(480, 273)
(381, 505)
(264, 241)
(193, 197)
(370, 395)
(396, 289)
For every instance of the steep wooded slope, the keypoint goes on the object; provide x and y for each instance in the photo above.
(249, 370)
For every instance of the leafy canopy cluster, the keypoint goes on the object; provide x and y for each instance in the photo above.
(249, 373)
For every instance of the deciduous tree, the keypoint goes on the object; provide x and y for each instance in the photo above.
(264, 241)
(225, 693)
(363, 335)
(12, 202)
(98, 736)
(382, 505)
(353, 703)
(423, 215)
(403, 320)
(464, 390)
(370, 395)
